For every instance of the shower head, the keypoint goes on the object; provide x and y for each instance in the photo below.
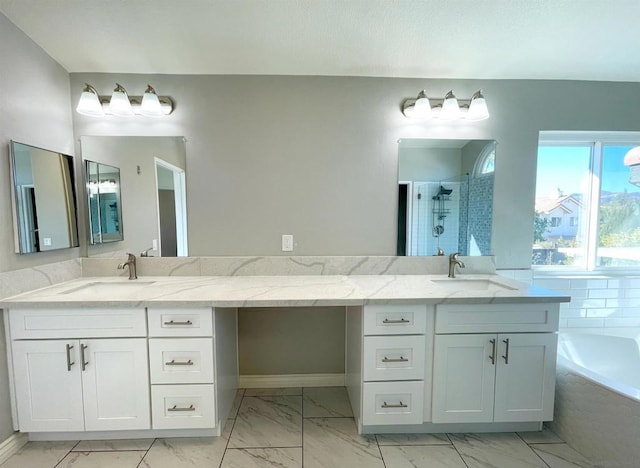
(444, 191)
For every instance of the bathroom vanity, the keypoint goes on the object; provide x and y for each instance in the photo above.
(112, 358)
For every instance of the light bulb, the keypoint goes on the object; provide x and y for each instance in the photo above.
(119, 104)
(89, 103)
(450, 108)
(150, 106)
(477, 108)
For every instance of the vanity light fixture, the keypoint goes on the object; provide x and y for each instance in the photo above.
(150, 103)
(121, 104)
(89, 103)
(448, 108)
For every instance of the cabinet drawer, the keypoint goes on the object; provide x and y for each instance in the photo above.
(181, 360)
(392, 403)
(183, 406)
(180, 322)
(394, 357)
(77, 323)
(497, 318)
(408, 319)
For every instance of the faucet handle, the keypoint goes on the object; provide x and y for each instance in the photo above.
(131, 257)
(145, 253)
(454, 256)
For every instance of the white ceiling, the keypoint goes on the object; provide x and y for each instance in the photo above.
(493, 39)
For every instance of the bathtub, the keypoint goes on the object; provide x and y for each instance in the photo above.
(597, 406)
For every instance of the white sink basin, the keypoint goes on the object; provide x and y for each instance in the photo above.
(461, 284)
(108, 288)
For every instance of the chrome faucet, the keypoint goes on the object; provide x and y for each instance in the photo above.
(145, 253)
(131, 263)
(453, 261)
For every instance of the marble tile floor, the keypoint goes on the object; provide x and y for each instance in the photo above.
(311, 428)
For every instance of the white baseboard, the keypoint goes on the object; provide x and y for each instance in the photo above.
(291, 380)
(11, 446)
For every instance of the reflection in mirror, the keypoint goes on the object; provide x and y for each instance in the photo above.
(44, 199)
(152, 184)
(105, 213)
(445, 196)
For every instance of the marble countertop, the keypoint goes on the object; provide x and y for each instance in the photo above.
(281, 291)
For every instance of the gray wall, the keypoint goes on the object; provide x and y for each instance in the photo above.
(428, 164)
(316, 157)
(34, 109)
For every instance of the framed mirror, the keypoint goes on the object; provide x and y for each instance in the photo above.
(445, 196)
(103, 198)
(44, 199)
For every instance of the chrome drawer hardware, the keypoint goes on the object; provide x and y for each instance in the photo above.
(401, 405)
(493, 351)
(506, 355)
(175, 408)
(171, 322)
(402, 359)
(402, 320)
(84, 363)
(69, 363)
(173, 362)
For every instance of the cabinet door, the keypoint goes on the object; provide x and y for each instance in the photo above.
(525, 382)
(115, 380)
(48, 385)
(463, 378)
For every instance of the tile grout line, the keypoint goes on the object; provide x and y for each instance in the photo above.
(531, 448)
(226, 447)
(457, 451)
(375, 436)
(67, 454)
(146, 453)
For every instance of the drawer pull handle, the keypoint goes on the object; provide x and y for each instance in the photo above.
(493, 351)
(175, 408)
(401, 405)
(84, 363)
(173, 362)
(402, 320)
(506, 355)
(69, 362)
(401, 359)
(171, 322)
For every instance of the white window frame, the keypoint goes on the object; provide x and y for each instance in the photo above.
(596, 140)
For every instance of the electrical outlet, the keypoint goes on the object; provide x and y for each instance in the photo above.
(154, 244)
(47, 241)
(287, 242)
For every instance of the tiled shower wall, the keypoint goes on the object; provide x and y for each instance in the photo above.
(596, 302)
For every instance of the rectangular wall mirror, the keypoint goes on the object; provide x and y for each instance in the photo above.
(103, 198)
(44, 199)
(151, 178)
(445, 196)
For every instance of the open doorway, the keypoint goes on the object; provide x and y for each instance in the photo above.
(172, 210)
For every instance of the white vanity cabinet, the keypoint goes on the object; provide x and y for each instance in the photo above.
(504, 376)
(387, 353)
(91, 372)
(182, 368)
(95, 383)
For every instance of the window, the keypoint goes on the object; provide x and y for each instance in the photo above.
(587, 203)
(486, 162)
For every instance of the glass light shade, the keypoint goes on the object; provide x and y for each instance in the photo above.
(422, 107)
(450, 107)
(150, 106)
(89, 103)
(477, 108)
(119, 104)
